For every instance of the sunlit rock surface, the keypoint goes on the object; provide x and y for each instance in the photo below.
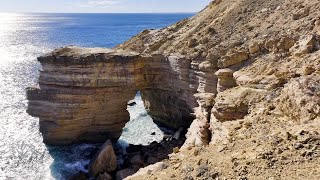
(83, 92)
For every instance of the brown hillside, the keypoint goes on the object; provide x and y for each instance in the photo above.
(265, 125)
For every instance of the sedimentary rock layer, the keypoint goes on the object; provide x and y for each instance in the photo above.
(228, 50)
(83, 92)
(83, 95)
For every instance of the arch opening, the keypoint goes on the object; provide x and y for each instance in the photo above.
(141, 129)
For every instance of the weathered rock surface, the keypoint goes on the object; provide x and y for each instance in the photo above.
(225, 79)
(307, 44)
(247, 73)
(198, 133)
(234, 103)
(265, 67)
(104, 161)
(83, 93)
(300, 99)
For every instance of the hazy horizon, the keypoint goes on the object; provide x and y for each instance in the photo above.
(98, 12)
(103, 6)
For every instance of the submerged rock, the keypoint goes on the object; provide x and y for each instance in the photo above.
(105, 160)
(132, 104)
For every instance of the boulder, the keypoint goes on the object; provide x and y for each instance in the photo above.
(301, 13)
(104, 176)
(137, 160)
(149, 169)
(105, 160)
(254, 47)
(177, 134)
(122, 174)
(225, 79)
(286, 43)
(152, 160)
(307, 44)
(300, 99)
(233, 57)
(234, 103)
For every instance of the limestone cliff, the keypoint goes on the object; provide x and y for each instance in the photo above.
(83, 93)
(264, 114)
(243, 74)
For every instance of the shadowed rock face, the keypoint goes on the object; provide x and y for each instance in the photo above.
(83, 92)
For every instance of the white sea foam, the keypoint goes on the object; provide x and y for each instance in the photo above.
(139, 129)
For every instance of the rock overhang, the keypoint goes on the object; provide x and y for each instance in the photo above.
(83, 93)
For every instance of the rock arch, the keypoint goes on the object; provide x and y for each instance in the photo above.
(83, 92)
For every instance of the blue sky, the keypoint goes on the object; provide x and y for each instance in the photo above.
(107, 6)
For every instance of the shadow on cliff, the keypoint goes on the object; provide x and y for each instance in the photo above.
(73, 160)
(138, 156)
(156, 142)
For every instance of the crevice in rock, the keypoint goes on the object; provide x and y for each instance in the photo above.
(208, 129)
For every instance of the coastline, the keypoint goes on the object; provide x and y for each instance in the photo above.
(225, 84)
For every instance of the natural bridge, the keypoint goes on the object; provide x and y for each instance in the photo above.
(83, 92)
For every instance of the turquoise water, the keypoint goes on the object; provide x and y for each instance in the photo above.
(23, 37)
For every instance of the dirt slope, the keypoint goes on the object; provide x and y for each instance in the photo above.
(267, 126)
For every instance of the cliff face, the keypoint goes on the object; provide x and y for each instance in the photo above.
(83, 93)
(262, 121)
(243, 74)
(249, 49)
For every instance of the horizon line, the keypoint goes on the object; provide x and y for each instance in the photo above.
(98, 12)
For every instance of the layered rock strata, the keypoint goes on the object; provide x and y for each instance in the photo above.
(244, 74)
(264, 117)
(83, 95)
(83, 92)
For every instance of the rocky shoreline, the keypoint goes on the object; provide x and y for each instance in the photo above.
(114, 162)
(243, 77)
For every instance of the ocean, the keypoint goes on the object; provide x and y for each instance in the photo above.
(23, 37)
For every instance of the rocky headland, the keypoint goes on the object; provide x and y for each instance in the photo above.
(242, 76)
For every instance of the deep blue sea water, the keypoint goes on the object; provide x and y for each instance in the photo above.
(23, 37)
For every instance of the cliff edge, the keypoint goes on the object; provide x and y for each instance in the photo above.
(243, 75)
(265, 114)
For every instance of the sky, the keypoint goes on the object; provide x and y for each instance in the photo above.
(102, 6)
